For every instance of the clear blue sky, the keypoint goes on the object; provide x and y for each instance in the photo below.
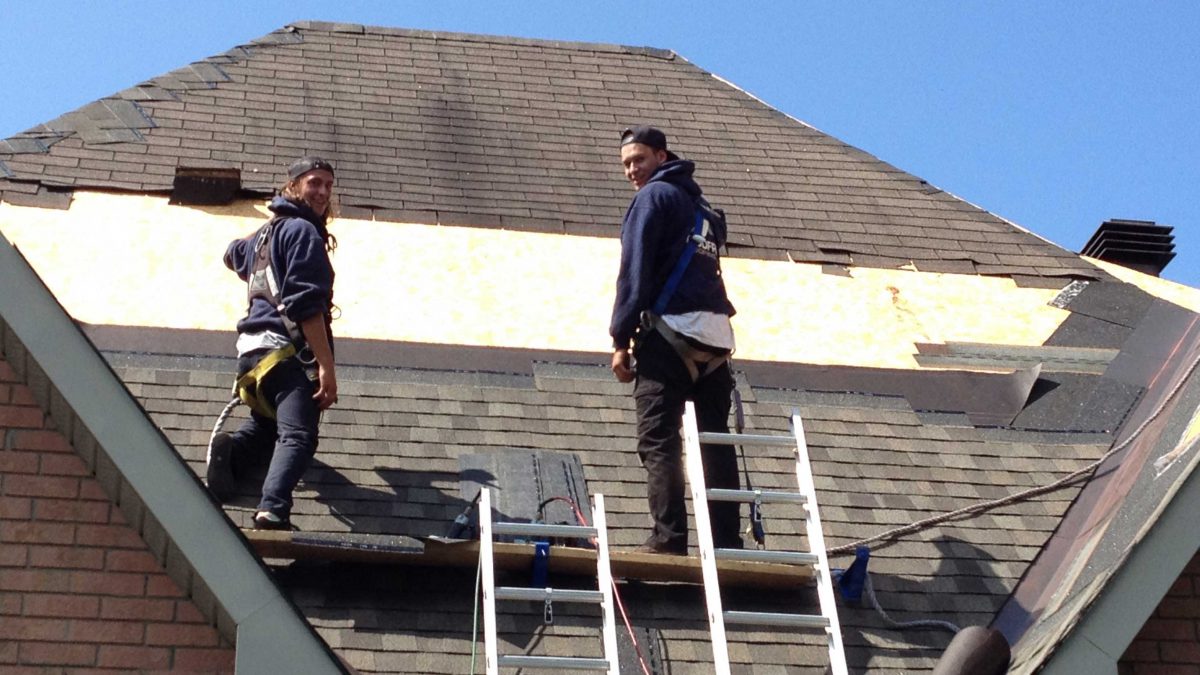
(1055, 115)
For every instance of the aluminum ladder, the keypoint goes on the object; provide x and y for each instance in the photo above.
(603, 596)
(806, 497)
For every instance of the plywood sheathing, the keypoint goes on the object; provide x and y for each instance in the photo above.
(136, 260)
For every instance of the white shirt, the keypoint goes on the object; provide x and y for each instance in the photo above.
(711, 328)
(264, 340)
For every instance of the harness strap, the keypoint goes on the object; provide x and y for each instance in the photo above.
(247, 386)
(689, 250)
(698, 362)
(262, 283)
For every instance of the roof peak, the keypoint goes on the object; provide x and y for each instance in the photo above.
(363, 29)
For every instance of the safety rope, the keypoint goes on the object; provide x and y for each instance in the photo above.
(582, 520)
(869, 590)
(1025, 494)
(221, 419)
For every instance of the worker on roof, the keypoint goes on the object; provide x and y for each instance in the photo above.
(671, 318)
(286, 372)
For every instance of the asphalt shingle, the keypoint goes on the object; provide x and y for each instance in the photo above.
(388, 465)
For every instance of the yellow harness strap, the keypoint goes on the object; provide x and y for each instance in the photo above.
(246, 386)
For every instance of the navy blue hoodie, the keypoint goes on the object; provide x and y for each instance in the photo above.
(657, 226)
(301, 265)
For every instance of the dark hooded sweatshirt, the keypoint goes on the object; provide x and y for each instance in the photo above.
(656, 229)
(301, 265)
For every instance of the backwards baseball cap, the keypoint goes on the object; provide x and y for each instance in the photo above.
(648, 136)
(306, 164)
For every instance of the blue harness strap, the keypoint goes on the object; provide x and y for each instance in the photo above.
(685, 258)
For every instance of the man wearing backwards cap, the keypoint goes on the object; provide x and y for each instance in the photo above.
(290, 297)
(681, 354)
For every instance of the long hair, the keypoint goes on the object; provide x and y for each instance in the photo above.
(291, 190)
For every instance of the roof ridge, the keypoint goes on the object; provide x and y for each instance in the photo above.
(363, 29)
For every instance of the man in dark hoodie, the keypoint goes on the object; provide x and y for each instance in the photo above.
(286, 371)
(672, 318)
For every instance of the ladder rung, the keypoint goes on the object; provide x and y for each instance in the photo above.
(554, 594)
(755, 555)
(746, 439)
(776, 619)
(544, 530)
(748, 496)
(569, 662)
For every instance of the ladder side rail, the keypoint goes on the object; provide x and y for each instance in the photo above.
(816, 540)
(708, 560)
(604, 581)
(491, 649)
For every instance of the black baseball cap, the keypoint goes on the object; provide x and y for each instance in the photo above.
(306, 164)
(648, 136)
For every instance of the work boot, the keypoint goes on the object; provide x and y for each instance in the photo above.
(657, 547)
(265, 520)
(734, 542)
(219, 475)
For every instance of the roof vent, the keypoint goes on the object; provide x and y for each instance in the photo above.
(205, 186)
(1137, 244)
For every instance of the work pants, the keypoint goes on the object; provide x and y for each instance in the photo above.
(292, 434)
(662, 387)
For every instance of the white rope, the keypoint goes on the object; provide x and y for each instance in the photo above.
(221, 419)
(869, 589)
(1025, 494)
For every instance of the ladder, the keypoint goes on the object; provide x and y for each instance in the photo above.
(806, 497)
(603, 596)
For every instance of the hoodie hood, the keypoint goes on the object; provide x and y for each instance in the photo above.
(288, 208)
(679, 173)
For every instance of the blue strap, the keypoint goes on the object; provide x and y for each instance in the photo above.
(689, 250)
(541, 564)
(852, 581)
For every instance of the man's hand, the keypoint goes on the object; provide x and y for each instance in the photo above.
(318, 342)
(621, 365)
(326, 394)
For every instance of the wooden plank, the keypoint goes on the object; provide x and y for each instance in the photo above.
(433, 552)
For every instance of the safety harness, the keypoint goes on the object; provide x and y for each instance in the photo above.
(698, 360)
(261, 283)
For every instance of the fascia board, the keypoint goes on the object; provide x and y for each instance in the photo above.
(1108, 627)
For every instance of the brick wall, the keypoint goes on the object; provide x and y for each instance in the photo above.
(78, 588)
(1169, 643)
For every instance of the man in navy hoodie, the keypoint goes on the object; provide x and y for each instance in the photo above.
(290, 297)
(680, 338)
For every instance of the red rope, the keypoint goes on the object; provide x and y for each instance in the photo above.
(616, 593)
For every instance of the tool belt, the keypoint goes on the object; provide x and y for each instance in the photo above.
(248, 384)
(699, 361)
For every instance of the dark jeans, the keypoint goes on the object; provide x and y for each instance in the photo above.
(662, 387)
(293, 432)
